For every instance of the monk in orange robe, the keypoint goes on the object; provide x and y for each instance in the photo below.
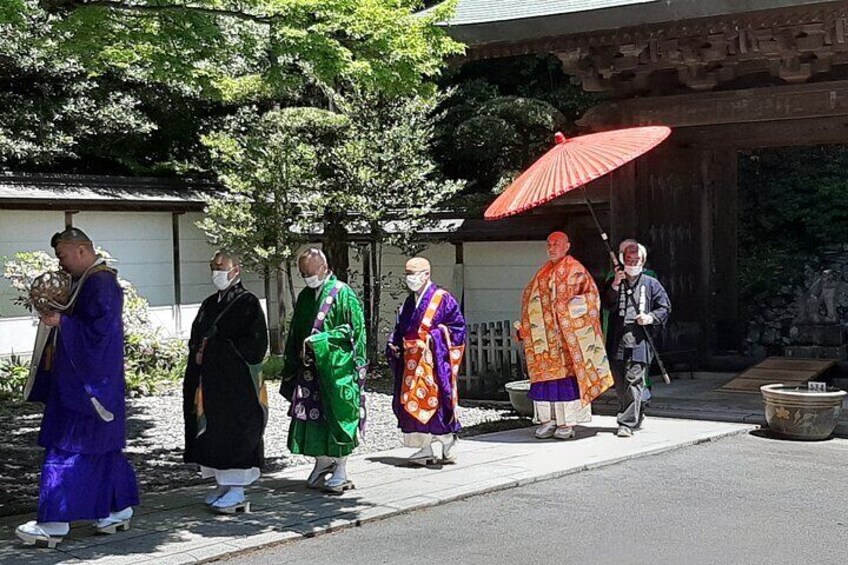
(561, 330)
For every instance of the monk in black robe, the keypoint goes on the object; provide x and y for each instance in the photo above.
(224, 400)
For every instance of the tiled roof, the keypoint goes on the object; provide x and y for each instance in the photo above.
(479, 22)
(481, 11)
(105, 191)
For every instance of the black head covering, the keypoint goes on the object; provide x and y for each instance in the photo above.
(74, 235)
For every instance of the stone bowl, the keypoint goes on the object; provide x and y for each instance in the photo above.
(796, 413)
(517, 391)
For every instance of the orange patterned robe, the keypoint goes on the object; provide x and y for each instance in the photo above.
(561, 329)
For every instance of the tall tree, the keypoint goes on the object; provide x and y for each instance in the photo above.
(58, 116)
(264, 50)
(500, 116)
(50, 106)
(259, 49)
(369, 162)
(385, 177)
(268, 164)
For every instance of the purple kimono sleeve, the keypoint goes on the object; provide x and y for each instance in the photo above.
(89, 361)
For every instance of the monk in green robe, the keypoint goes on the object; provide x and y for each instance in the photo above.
(324, 371)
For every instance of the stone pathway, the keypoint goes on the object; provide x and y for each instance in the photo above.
(175, 527)
(155, 440)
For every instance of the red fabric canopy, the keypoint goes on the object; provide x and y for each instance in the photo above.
(571, 164)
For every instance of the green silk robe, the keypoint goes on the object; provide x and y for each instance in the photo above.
(339, 351)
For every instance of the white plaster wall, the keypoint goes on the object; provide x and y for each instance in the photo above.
(140, 242)
(17, 335)
(195, 254)
(495, 276)
(21, 230)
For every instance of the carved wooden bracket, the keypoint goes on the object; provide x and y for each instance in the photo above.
(791, 45)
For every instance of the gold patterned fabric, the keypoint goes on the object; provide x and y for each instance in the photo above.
(561, 329)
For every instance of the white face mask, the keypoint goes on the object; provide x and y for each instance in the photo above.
(633, 271)
(415, 282)
(314, 281)
(221, 279)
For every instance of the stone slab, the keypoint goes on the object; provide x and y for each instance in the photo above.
(838, 353)
(180, 529)
(777, 370)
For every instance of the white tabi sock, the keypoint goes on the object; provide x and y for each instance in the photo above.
(217, 493)
(322, 467)
(339, 475)
(448, 442)
(55, 528)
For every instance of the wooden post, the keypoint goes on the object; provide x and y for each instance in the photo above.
(480, 363)
(492, 367)
(506, 366)
(458, 283)
(273, 337)
(176, 257)
(468, 352)
(367, 285)
(69, 218)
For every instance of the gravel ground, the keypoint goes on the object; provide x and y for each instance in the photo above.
(155, 432)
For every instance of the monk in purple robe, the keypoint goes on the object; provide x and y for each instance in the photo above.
(425, 352)
(80, 380)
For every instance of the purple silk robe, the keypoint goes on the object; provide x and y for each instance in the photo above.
(85, 475)
(444, 421)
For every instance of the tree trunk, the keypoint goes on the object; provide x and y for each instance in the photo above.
(281, 305)
(368, 299)
(273, 315)
(376, 256)
(290, 279)
(336, 244)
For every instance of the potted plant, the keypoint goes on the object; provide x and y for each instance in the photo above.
(517, 391)
(800, 412)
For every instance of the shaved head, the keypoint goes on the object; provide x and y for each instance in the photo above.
(557, 236)
(558, 246)
(417, 265)
(74, 250)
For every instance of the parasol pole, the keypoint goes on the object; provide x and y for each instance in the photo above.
(604, 235)
(617, 265)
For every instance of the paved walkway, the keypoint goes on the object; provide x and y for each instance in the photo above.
(175, 527)
(698, 398)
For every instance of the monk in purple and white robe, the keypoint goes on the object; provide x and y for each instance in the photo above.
(431, 317)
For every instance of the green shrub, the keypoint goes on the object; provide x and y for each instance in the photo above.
(792, 208)
(272, 368)
(13, 376)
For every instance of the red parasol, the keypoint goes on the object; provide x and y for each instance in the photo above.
(573, 163)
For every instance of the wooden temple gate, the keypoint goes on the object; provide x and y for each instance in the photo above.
(726, 77)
